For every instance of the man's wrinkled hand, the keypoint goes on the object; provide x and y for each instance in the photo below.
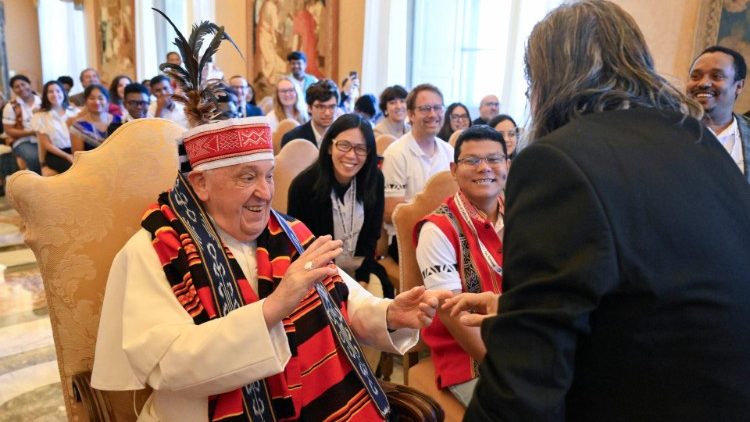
(415, 308)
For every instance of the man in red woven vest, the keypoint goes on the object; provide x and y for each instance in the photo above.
(212, 305)
(459, 248)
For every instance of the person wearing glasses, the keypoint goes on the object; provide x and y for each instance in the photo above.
(509, 130)
(460, 248)
(342, 194)
(412, 159)
(457, 117)
(322, 99)
(137, 102)
(489, 107)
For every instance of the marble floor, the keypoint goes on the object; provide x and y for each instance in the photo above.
(29, 379)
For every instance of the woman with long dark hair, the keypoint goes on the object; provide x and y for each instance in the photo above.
(509, 129)
(51, 126)
(342, 194)
(117, 96)
(457, 117)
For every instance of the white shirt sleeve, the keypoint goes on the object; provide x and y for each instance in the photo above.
(146, 337)
(394, 174)
(9, 115)
(367, 317)
(437, 259)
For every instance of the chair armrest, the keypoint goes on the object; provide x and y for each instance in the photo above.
(96, 404)
(410, 405)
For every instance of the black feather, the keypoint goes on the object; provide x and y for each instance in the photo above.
(200, 99)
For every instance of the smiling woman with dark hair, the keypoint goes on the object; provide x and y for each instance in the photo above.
(52, 129)
(342, 194)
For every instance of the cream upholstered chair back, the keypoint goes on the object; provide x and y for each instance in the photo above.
(454, 137)
(382, 142)
(76, 222)
(284, 126)
(296, 156)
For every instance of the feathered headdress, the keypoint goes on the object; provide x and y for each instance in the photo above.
(199, 98)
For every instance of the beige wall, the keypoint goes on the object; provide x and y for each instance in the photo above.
(233, 14)
(351, 37)
(669, 28)
(22, 40)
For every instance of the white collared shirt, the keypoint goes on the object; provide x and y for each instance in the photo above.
(732, 141)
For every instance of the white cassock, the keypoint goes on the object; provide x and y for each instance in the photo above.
(146, 337)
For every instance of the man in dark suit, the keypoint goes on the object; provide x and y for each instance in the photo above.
(245, 97)
(322, 98)
(627, 244)
(717, 78)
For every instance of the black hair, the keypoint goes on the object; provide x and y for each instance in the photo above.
(135, 87)
(366, 104)
(296, 55)
(478, 133)
(499, 119)
(46, 105)
(90, 88)
(66, 80)
(322, 91)
(446, 131)
(113, 88)
(19, 77)
(159, 79)
(391, 93)
(740, 67)
(367, 175)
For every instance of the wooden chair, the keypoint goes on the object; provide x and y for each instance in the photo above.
(296, 156)
(382, 142)
(75, 223)
(421, 375)
(454, 137)
(284, 126)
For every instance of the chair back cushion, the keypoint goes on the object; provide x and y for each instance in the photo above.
(405, 217)
(382, 142)
(77, 221)
(296, 156)
(284, 126)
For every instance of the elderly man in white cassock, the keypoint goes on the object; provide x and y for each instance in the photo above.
(212, 305)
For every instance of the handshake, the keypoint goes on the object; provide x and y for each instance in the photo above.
(475, 307)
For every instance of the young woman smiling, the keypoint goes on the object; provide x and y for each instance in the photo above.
(341, 194)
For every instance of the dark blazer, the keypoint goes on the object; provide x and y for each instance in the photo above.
(304, 131)
(318, 217)
(743, 123)
(252, 110)
(479, 121)
(626, 278)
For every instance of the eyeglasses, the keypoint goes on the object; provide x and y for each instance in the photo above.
(459, 117)
(138, 103)
(346, 146)
(492, 104)
(492, 160)
(437, 108)
(511, 134)
(323, 107)
(288, 91)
